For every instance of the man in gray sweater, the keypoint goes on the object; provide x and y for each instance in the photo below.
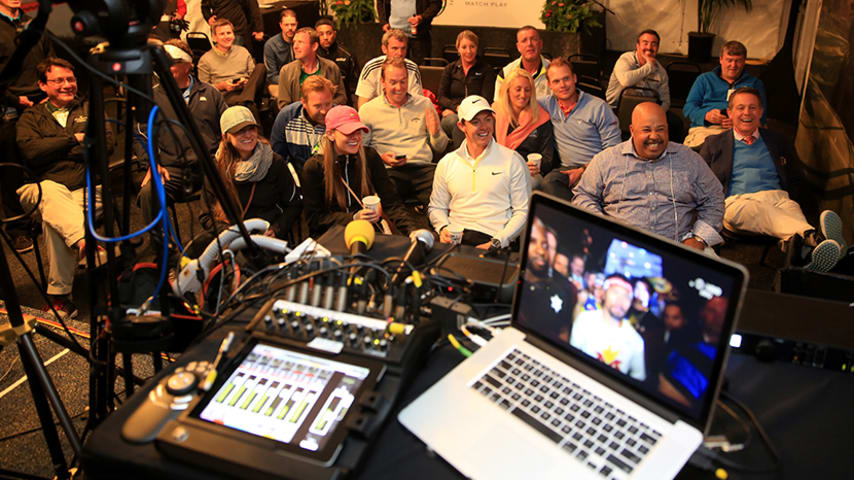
(231, 69)
(405, 132)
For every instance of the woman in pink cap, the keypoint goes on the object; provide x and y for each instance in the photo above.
(343, 173)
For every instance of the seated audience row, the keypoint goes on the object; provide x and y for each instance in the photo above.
(540, 132)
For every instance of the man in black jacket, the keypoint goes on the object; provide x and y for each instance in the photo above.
(50, 137)
(243, 14)
(178, 162)
(758, 170)
(21, 93)
(414, 21)
(331, 50)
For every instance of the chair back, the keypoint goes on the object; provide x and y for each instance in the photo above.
(681, 76)
(431, 77)
(629, 99)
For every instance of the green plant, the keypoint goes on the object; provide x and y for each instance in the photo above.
(707, 10)
(351, 12)
(569, 15)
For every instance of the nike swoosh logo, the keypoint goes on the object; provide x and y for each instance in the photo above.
(496, 173)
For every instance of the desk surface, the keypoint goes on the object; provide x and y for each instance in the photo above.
(804, 410)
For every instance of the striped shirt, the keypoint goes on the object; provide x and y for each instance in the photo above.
(369, 85)
(294, 137)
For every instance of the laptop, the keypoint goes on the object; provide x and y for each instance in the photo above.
(611, 371)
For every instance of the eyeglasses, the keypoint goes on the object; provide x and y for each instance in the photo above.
(60, 81)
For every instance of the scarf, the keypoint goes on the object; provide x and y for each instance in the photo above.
(255, 168)
(526, 125)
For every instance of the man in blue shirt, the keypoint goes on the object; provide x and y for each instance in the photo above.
(584, 125)
(654, 184)
(706, 104)
(758, 171)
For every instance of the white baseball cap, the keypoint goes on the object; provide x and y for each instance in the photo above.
(471, 106)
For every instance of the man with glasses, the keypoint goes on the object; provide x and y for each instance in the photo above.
(50, 137)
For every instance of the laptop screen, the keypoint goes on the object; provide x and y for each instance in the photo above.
(635, 307)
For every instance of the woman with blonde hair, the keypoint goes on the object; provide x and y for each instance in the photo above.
(521, 124)
(469, 75)
(262, 182)
(345, 172)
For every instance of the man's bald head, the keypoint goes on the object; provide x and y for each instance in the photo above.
(649, 130)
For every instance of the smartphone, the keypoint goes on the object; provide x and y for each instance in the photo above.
(399, 157)
(723, 112)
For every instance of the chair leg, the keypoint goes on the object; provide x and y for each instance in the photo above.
(157, 361)
(174, 211)
(127, 365)
(39, 265)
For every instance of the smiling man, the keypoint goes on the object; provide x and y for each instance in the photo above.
(231, 69)
(640, 68)
(394, 45)
(655, 184)
(50, 137)
(405, 132)
(300, 126)
(584, 125)
(759, 171)
(482, 186)
(706, 104)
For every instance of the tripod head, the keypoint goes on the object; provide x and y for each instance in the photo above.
(124, 23)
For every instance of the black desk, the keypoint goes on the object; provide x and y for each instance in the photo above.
(805, 411)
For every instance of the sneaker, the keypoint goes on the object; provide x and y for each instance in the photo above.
(22, 243)
(823, 257)
(831, 228)
(63, 306)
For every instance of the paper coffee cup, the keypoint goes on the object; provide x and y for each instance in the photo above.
(456, 232)
(536, 159)
(371, 202)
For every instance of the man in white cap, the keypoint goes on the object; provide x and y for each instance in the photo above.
(177, 159)
(482, 186)
(607, 335)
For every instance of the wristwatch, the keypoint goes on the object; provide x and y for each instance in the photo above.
(495, 244)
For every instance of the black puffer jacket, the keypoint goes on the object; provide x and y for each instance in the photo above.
(243, 14)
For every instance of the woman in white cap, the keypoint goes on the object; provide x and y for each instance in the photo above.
(343, 174)
(521, 124)
(264, 184)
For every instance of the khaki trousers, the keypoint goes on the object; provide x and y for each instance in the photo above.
(769, 212)
(63, 217)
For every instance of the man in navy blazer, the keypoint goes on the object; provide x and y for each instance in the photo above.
(758, 171)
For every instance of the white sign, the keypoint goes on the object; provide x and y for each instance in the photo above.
(491, 13)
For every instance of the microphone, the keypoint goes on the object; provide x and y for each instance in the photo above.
(359, 238)
(422, 243)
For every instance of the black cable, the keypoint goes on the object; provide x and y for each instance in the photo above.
(759, 429)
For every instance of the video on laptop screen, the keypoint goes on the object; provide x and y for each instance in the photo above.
(646, 315)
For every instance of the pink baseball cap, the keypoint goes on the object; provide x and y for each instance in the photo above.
(344, 119)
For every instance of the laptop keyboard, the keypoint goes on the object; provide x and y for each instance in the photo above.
(601, 436)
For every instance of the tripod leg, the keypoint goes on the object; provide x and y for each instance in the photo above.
(43, 409)
(128, 373)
